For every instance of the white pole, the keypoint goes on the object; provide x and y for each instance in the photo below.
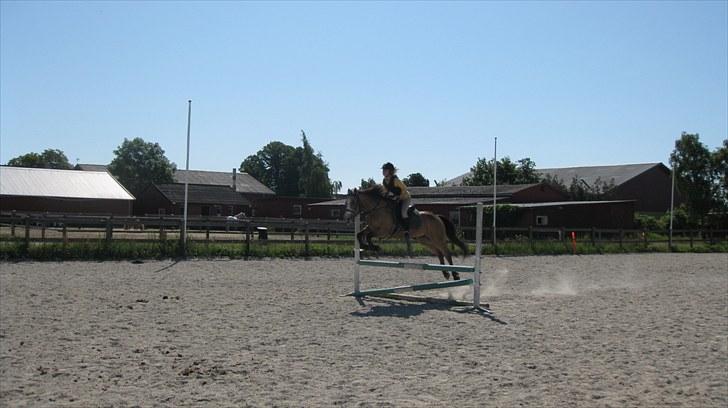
(357, 225)
(495, 182)
(672, 199)
(478, 252)
(187, 167)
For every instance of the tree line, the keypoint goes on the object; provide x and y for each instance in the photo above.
(701, 174)
(287, 170)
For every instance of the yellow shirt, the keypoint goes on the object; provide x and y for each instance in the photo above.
(397, 187)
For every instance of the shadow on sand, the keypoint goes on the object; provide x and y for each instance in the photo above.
(391, 308)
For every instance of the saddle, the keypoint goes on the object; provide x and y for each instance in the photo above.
(413, 214)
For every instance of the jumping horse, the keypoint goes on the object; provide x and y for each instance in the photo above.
(429, 229)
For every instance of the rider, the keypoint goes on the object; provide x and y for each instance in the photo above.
(397, 191)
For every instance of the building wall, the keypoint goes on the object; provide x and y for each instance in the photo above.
(616, 215)
(607, 215)
(291, 207)
(152, 202)
(651, 189)
(542, 193)
(24, 204)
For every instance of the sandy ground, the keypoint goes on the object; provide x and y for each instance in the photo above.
(611, 330)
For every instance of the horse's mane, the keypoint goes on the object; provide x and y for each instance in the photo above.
(376, 189)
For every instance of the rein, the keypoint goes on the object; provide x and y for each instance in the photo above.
(358, 205)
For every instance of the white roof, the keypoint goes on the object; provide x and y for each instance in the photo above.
(24, 181)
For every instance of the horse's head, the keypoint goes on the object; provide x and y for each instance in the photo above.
(352, 204)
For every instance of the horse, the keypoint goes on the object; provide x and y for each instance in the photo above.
(433, 230)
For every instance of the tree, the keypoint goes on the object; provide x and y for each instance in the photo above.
(138, 164)
(416, 180)
(336, 186)
(49, 159)
(314, 181)
(580, 190)
(367, 183)
(276, 166)
(521, 172)
(694, 175)
(720, 170)
(291, 171)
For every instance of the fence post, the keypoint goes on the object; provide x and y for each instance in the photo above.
(162, 233)
(109, 230)
(207, 234)
(530, 237)
(621, 239)
(42, 230)
(306, 248)
(182, 234)
(12, 224)
(644, 237)
(563, 238)
(248, 229)
(65, 236)
(27, 231)
(593, 236)
(690, 233)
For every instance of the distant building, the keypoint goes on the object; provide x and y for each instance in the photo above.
(203, 200)
(617, 214)
(292, 207)
(90, 167)
(448, 200)
(31, 190)
(648, 184)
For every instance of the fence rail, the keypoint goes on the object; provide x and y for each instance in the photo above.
(69, 228)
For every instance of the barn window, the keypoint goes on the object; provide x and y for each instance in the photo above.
(297, 210)
(542, 220)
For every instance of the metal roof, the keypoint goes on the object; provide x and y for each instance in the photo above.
(423, 201)
(608, 174)
(467, 191)
(564, 203)
(202, 194)
(91, 167)
(32, 182)
(618, 173)
(244, 181)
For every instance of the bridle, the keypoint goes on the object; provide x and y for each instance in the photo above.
(358, 205)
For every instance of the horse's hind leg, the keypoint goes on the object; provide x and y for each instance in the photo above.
(446, 274)
(435, 251)
(448, 255)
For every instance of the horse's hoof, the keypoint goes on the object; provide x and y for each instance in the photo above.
(455, 276)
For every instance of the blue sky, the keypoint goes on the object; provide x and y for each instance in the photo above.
(425, 85)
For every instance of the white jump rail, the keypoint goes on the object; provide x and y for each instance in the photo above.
(384, 292)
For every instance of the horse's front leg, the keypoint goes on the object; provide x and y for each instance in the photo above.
(362, 238)
(372, 245)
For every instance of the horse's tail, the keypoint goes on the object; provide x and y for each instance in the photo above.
(453, 236)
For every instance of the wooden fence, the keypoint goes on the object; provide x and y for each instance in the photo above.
(69, 228)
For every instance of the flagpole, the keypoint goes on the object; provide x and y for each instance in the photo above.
(187, 168)
(672, 199)
(495, 182)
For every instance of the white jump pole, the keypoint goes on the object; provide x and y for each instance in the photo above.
(357, 226)
(478, 256)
